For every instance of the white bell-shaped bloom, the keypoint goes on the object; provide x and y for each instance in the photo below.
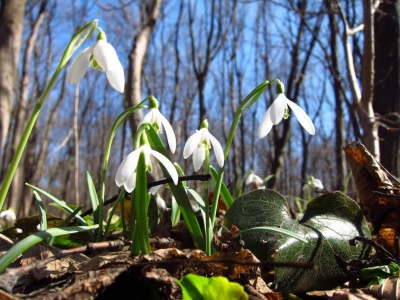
(314, 183)
(103, 56)
(197, 145)
(254, 180)
(280, 110)
(157, 120)
(126, 172)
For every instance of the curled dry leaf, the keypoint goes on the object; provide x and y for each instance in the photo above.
(389, 289)
(379, 193)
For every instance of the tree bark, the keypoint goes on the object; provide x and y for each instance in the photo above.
(341, 164)
(136, 57)
(11, 25)
(18, 183)
(366, 111)
(387, 82)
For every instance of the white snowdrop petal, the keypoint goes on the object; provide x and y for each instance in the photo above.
(106, 56)
(79, 66)
(127, 167)
(169, 131)
(317, 184)
(277, 109)
(219, 153)
(303, 118)
(265, 125)
(116, 78)
(167, 164)
(199, 156)
(192, 143)
(130, 183)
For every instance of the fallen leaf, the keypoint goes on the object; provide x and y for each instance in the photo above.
(378, 191)
(329, 223)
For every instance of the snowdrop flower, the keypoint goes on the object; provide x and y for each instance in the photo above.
(314, 183)
(126, 172)
(279, 109)
(255, 181)
(157, 120)
(8, 215)
(102, 56)
(197, 145)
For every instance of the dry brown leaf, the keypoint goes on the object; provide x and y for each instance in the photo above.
(378, 191)
(389, 289)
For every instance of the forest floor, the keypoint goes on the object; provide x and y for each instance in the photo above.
(107, 271)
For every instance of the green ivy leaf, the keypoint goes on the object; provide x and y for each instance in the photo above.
(329, 223)
(214, 288)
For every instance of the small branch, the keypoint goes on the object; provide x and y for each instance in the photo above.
(200, 177)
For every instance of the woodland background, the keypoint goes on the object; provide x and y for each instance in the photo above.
(339, 60)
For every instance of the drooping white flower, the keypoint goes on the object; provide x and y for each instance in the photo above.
(103, 56)
(279, 110)
(255, 181)
(157, 120)
(314, 183)
(197, 145)
(8, 215)
(126, 172)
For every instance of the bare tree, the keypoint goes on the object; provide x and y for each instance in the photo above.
(387, 82)
(363, 99)
(206, 42)
(11, 24)
(150, 11)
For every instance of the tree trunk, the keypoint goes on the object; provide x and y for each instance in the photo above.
(341, 164)
(387, 82)
(136, 57)
(366, 111)
(18, 183)
(11, 24)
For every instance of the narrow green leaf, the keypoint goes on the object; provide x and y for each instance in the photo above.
(117, 124)
(42, 211)
(59, 202)
(36, 238)
(97, 210)
(226, 195)
(141, 207)
(179, 193)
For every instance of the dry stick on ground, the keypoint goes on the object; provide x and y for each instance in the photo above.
(201, 177)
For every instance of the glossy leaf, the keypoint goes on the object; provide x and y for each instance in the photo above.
(329, 223)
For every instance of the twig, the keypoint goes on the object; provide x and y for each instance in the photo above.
(200, 177)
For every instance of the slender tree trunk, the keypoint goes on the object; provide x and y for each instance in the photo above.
(136, 58)
(387, 82)
(11, 25)
(341, 164)
(17, 185)
(367, 116)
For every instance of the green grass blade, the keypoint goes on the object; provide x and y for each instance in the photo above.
(42, 211)
(97, 210)
(36, 238)
(59, 202)
(179, 193)
(226, 195)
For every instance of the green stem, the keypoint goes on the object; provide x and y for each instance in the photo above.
(77, 40)
(141, 207)
(246, 103)
(208, 226)
(25, 136)
(117, 124)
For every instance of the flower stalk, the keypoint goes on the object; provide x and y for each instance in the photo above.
(81, 36)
